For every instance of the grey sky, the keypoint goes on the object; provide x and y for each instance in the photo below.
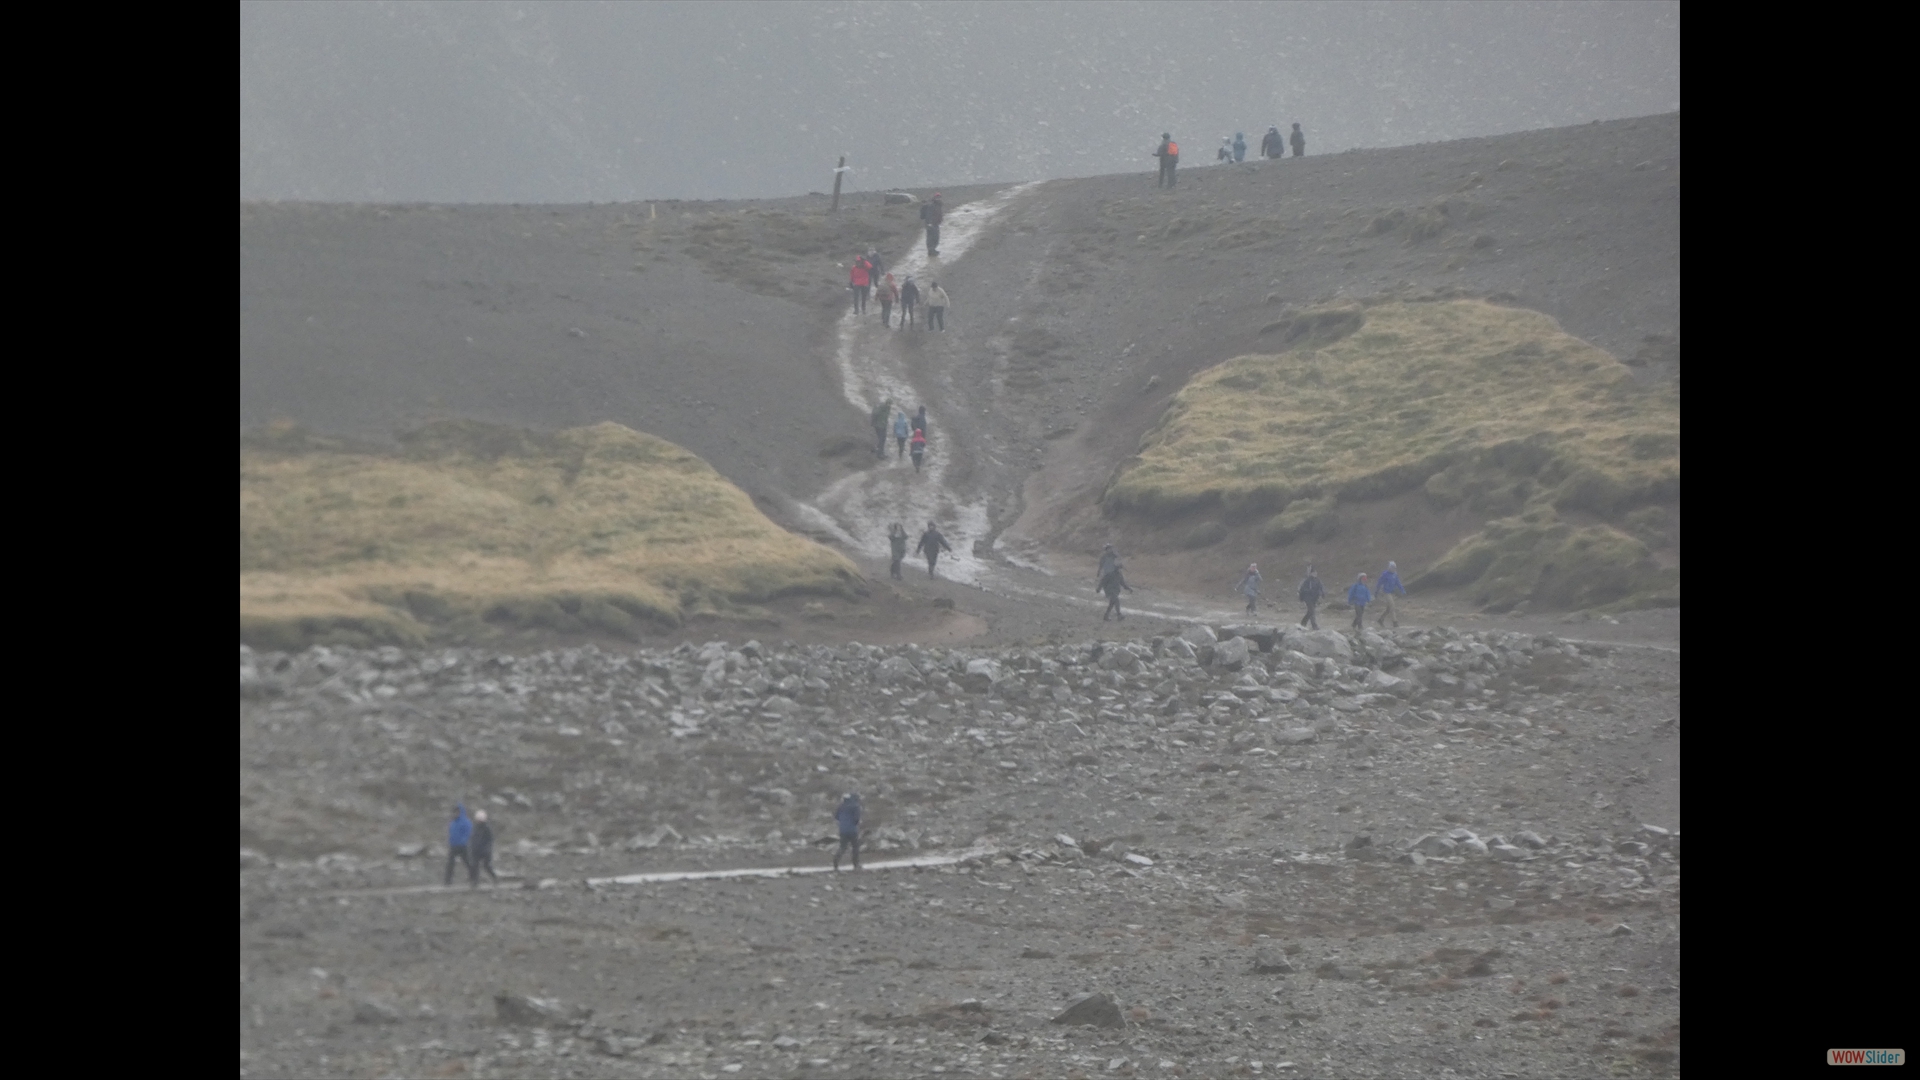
(575, 102)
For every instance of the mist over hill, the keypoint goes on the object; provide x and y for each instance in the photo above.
(530, 102)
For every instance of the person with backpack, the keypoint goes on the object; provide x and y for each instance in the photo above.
(481, 847)
(1250, 586)
(459, 834)
(860, 279)
(880, 414)
(1239, 146)
(1272, 145)
(1299, 141)
(932, 543)
(909, 296)
(1388, 588)
(1169, 155)
(1111, 583)
(1310, 593)
(1359, 597)
(918, 447)
(901, 429)
(847, 816)
(1108, 557)
(1224, 155)
(888, 294)
(920, 420)
(932, 213)
(936, 307)
(897, 538)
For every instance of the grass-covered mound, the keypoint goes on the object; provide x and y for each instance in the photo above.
(469, 527)
(1473, 403)
(1539, 560)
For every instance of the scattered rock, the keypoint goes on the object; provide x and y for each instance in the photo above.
(1269, 962)
(369, 1011)
(1096, 1009)
(523, 1011)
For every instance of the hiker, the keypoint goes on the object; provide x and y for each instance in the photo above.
(481, 847)
(1272, 145)
(1108, 557)
(931, 215)
(1111, 583)
(901, 429)
(917, 446)
(1359, 597)
(875, 265)
(848, 815)
(459, 833)
(1299, 142)
(920, 420)
(880, 414)
(888, 294)
(931, 543)
(1310, 593)
(1250, 586)
(897, 537)
(860, 279)
(909, 296)
(1169, 155)
(1224, 155)
(1239, 146)
(936, 307)
(1389, 585)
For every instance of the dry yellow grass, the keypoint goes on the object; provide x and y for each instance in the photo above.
(471, 525)
(1457, 390)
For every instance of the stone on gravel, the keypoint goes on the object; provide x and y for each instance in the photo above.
(1138, 859)
(1295, 736)
(983, 675)
(1199, 634)
(521, 1009)
(665, 834)
(1433, 844)
(1231, 654)
(1179, 647)
(1096, 1009)
(369, 1011)
(1330, 644)
(1530, 839)
(786, 1042)
(1509, 852)
(1267, 962)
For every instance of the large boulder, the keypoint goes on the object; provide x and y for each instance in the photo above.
(1178, 647)
(1096, 1009)
(1199, 634)
(982, 675)
(895, 670)
(1231, 654)
(1330, 644)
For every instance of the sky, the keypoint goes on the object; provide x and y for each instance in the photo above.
(524, 102)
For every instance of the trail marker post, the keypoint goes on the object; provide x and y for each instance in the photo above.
(839, 172)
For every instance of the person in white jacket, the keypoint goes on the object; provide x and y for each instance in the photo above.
(936, 307)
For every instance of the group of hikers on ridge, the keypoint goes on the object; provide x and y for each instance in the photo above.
(866, 279)
(1358, 596)
(1233, 148)
(909, 432)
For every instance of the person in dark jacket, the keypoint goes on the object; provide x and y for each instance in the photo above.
(920, 420)
(931, 544)
(1272, 145)
(909, 296)
(1108, 557)
(1169, 155)
(1250, 586)
(459, 833)
(1359, 597)
(1389, 587)
(931, 215)
(1310, 593)
(1111, 583)
(897, 537)
(481, 846)
(1299, 142)
(847, 814)
(879, 419)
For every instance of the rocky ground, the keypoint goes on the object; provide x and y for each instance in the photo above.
(1435, 852)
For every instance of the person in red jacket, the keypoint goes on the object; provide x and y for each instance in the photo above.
(860, 280)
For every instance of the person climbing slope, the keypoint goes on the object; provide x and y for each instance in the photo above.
(480, 847)
(1111, 583)
(917, 446)
(888, 294)
(1310, 593)
(1108, 557)
(1249, 586)
(880, 414)
(1359, 597)
(909, 296)
(901, 429)
(860, 279)
(936, 307)
(1389, 587)
(931, 544)
(459, 832)
(897, 539)
(931, 215)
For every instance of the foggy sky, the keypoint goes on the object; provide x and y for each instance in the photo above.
(602, 102)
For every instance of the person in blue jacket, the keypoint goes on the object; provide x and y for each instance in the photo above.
(1389, 586)
(459, 831)
(1359, 597)
(1239, 146)
(848, 815)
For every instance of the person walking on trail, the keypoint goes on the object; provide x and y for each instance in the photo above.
(1272, 145)
(901, 429)
(917, 446)
(860, 279)
(897, 538)
(1310, 593)
(1359, 597)
(1108, 559)
(1299, 142)
(932, 213)
(936, 307)
(847, 814)
(931, 545)
(880, 414)
(481, 849)
(1111, 583)
(1224, 155)
(888, 294)
(1169, 155)
(1249, 586)
(1388, 588)
(909, 296)
(920, 420)
(1239, 146)
(459, 834)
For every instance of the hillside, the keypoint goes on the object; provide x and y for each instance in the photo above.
(470, 529)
